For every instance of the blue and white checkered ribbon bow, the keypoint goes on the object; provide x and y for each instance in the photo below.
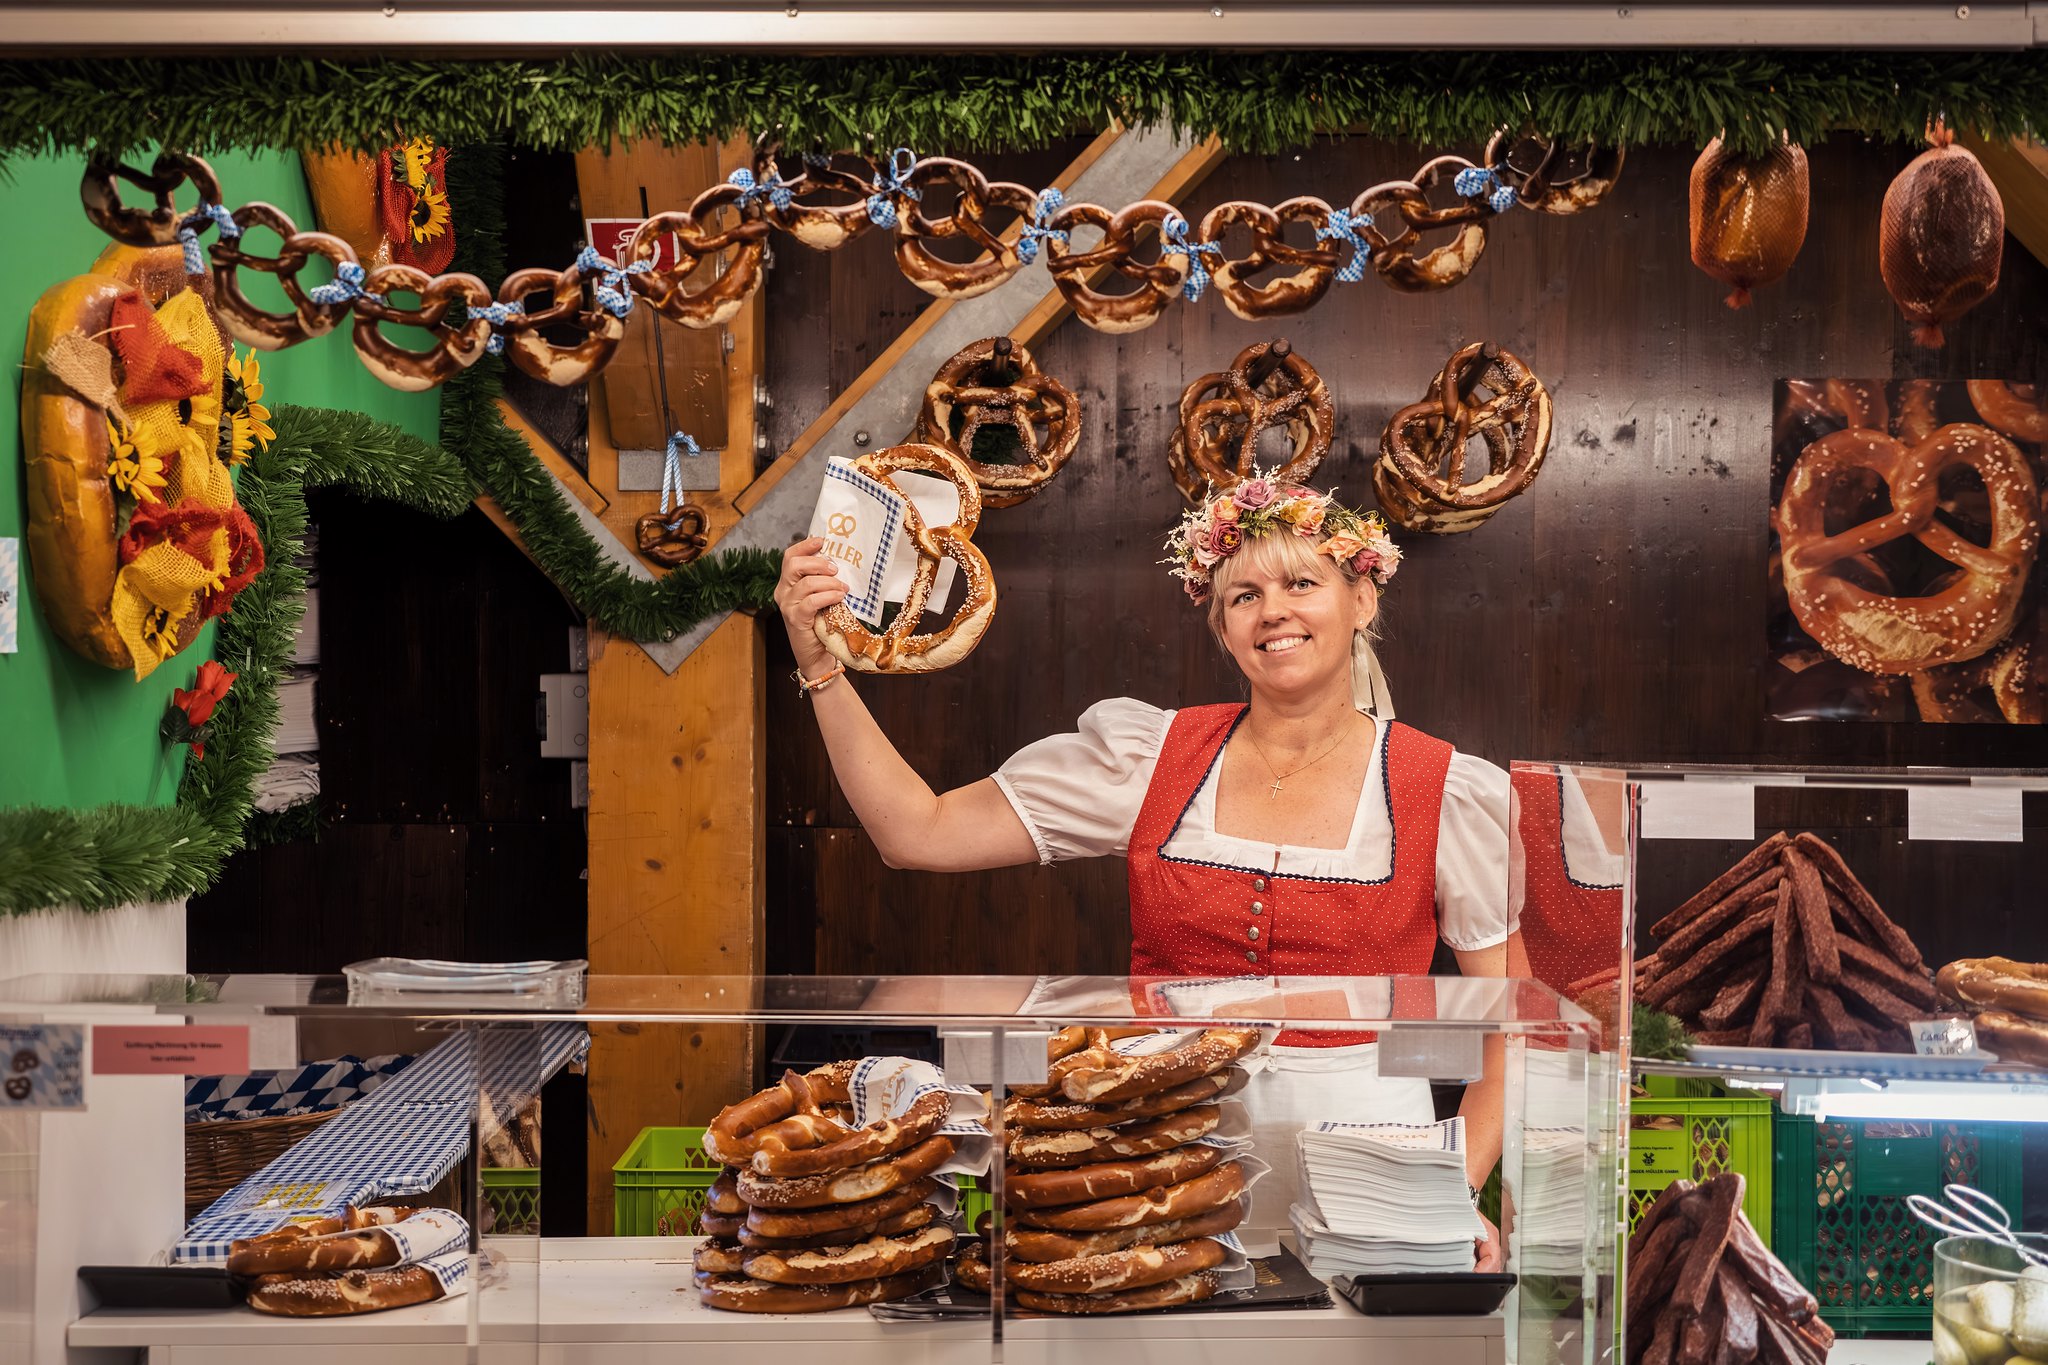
(889, 183)
(1049, 202)
(345, 287)
(497, 315)
(1344, 227)
(774, 189)
(1177, 244)
(188, 233)
(612, 294)
(672, 468)
(1500, 196)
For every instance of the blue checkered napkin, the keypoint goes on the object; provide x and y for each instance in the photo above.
(864, 597)
(427, 1234)
(451, 1269)
(283, 1093)
(401, 1139)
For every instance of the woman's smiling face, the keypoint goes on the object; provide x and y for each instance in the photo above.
(1287, 615)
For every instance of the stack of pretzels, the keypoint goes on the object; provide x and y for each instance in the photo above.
(360, 1262)
(2010, 1000)
(1114, 1201)
(814, 1213)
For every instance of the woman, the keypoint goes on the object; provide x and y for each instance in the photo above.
(1302, 834)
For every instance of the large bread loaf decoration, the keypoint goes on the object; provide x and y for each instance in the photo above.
(130, 400)
(1748, 215)
(1940, 237)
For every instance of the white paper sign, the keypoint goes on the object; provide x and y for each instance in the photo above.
(1700, 807)
(1976, 814)
(861, 522)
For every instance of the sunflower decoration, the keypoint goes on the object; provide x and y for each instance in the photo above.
(132, 471)
(413, 207)
(429, 214)
(245, 422)
(417, 157)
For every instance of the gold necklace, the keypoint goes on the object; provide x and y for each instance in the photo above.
(1278, 776)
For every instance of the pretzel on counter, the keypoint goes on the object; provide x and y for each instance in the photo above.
(739, 1294)
(871, 1258)
(2013, 1037)
(995, 383)
(1037, 1244)
(352, 1291)
(1082, 1146)
(355, 1240)
(912, 1219)
(856, 1185)
(1109, 1179)
(1120, 1077)
(1410, 474)
(736, 1133)
(1222, 416)
(1997, 983)
(1210, 1190)
(839, 1218)
(1040, 1114)
(1115, 1271)
(899, 648)
(1882, 634)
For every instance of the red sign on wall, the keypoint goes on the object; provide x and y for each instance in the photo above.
(170, 1050)
(610, 236)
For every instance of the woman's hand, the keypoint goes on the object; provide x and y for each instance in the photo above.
(1488, 1254)
(808, 586)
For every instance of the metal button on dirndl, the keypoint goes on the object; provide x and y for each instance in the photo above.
(1252, 932)
(1250, 956)
(1258, 907)
(1258, 883)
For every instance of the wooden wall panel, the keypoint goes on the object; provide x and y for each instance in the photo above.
(1615, 613)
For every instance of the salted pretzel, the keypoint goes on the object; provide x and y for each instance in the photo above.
(1883, 634)
(996, 261)
(1158, 282)
(871, 1258)
(900, 648)
(1041, 1113)
(910, 1220)
(1956, 694)
(343, 1294)
(2019, 673)
(1043, 1189)
(857, 1184)
(1396, 255)
(995, 383)
(1112, 1272)
(971, 1271)
(674, 537)
(1222, 416)
(883, 1137)
(737, 1132)
(741, 1294)
(839, 1218)
(1421, 472)
(1083, 1146)
(1311, 269)
(1037, 1244)
(1550, 176)
(2018, 410)
(1997, 983)
(1121, 1078)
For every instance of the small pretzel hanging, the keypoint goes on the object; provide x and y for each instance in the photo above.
(995, 383)
(674, 537)
(1551, 177)
(1421, 472)
(1971, 610)
(899, 648)
(1222, 415)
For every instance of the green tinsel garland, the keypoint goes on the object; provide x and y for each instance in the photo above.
(1256, 102)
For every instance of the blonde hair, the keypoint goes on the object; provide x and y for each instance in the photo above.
(1291, 554)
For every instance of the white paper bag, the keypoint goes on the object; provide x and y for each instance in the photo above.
(861, 522)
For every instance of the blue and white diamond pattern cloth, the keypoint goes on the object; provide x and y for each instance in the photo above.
(859, 515)
(282, 1094)
(401, 1139)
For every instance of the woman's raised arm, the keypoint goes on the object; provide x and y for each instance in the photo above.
(963, 830)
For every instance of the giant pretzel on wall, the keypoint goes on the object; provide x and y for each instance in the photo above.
(899, 647)
(994, 384)
(1421, 473)
(1223, 415)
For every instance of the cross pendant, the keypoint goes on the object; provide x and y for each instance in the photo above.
(1276, 789)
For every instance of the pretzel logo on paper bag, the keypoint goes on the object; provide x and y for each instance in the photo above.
(861, 521)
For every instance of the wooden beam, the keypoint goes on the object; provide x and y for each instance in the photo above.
(2019, 168)
(676, 885)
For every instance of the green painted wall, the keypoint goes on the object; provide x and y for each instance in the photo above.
(77, 734)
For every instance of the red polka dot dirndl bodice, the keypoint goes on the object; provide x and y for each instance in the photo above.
(1571, 929)
(1192, 918)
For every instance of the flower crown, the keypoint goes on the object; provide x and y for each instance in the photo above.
(1260, 506)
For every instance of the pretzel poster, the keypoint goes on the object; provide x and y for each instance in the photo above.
(1906, 575)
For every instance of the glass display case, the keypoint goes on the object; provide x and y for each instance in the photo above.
(1795, 988)
(1320, 1201)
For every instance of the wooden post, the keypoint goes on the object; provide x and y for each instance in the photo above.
(676, 812)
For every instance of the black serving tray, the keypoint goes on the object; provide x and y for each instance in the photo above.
(1435, 1294)
(160, 1286)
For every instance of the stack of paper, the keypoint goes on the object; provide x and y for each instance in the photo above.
(1549, 1236)
(1384, 1198)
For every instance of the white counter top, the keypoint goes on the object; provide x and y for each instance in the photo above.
(622, 1301)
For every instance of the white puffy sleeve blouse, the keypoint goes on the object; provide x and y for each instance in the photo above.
(1078, 794)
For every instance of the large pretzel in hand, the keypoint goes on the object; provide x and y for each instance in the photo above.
(899, 649)
(1222, 415)
(1971, 611)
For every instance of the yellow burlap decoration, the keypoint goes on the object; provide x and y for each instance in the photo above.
(157, 590)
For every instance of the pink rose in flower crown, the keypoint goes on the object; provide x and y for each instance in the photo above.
(1223, 509)
(1365, 561)
(1225, 539)
(1310, 523)
(1342, 546)
(1252, 494)
(1204, 556)
(1197, 590)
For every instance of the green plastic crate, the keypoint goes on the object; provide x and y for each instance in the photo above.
(513, 1194)
(1698, 1139)
(658, 1185)
(1842, 1223)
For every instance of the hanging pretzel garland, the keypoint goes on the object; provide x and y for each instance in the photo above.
(1421, 472)
(992, 385)
(1223, 415)
(1397, 228)
(899, 648)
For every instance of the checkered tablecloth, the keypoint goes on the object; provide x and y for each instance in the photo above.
(290, 1091)
(400, 1139)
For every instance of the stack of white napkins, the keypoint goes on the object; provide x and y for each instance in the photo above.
(1550, 1219)
(1384, 1199)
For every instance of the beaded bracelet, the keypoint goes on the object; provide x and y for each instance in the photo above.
(806, 686)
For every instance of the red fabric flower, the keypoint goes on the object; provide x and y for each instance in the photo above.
(207, 690)
(154, 368)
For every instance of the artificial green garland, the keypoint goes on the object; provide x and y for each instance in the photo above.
(1256, 102)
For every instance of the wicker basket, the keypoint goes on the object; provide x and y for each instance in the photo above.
(221, 1155)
